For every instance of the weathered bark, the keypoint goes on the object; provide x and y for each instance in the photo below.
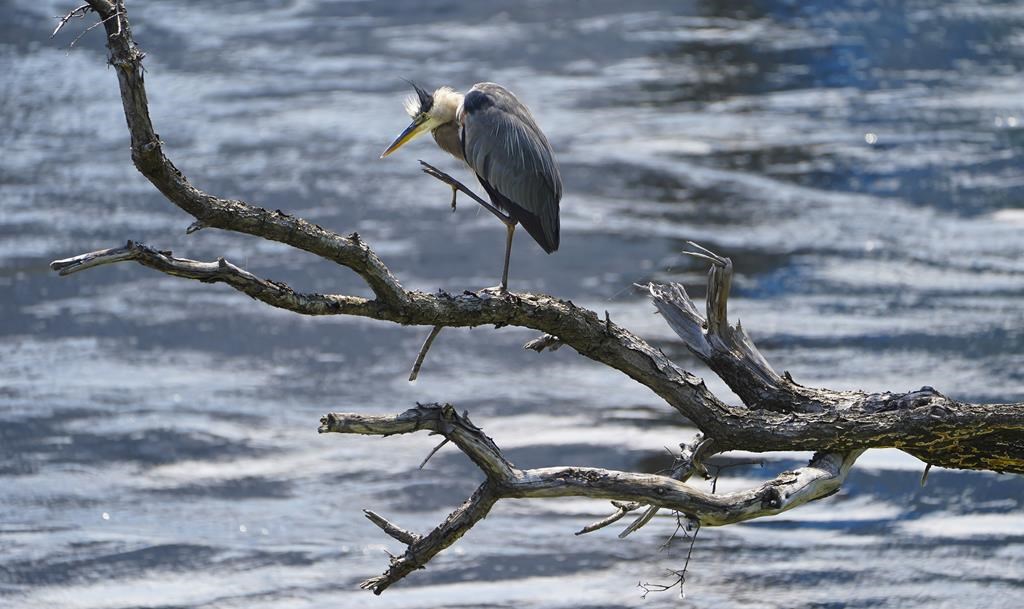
(820, 478)
(776, 412)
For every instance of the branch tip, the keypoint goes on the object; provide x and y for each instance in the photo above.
(708, 255)
(80, 11)
(393, 530)
(622, 508)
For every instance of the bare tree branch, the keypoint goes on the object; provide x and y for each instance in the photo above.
(271, 292)
(212, 211)
(820, 478)
(776, 413)
(419, 553)
(577, 327)
(923, 423)
(442, 419)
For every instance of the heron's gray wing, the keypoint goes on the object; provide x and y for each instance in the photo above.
(509, 153)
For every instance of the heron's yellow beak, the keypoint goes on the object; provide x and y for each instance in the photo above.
(419, 125)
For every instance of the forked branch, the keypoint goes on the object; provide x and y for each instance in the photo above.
(924, 423)
(820, 478)
(776, 413)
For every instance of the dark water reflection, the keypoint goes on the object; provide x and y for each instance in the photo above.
(859, 161)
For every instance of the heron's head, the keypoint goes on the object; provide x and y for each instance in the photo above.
(428, 112)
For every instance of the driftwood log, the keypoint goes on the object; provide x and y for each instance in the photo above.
(776, 413)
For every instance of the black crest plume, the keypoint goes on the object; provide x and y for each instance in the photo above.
(426, 99)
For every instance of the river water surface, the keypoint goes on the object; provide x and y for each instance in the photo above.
(861, 163)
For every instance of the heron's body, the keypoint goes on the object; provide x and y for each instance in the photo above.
(496, 136)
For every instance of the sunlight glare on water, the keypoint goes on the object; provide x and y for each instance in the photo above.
(860, 162)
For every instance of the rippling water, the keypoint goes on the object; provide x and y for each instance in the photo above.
(861, 162)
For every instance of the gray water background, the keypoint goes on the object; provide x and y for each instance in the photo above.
(861, 162)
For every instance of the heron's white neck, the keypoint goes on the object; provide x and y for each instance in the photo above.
(446, 105)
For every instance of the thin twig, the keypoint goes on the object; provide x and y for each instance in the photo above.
(689, 555)
(706, 254)
(622, 508)
(433, 452)
(649, 513)
(117, 15)
(680, 575)
(415, 372)
(76, 12)
(680, 528)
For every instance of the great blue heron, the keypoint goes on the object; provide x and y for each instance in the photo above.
(493, 132)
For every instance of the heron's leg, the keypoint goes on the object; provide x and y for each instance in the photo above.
(459, 186)
(511, 227)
